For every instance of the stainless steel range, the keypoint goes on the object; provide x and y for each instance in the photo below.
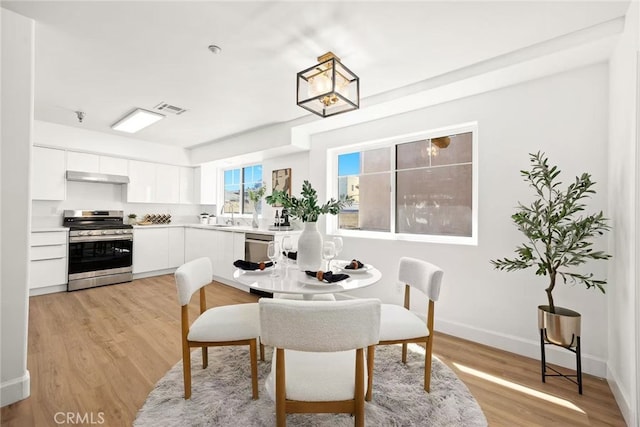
(100, 248)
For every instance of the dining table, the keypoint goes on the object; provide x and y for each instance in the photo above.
(290, 280)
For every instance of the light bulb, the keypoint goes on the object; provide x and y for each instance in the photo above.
(319, 84)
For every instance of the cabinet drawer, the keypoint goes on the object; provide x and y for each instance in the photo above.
(49, 238)
(48, 272)
(48, 252)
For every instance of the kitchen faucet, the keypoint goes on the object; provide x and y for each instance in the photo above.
(229, 221)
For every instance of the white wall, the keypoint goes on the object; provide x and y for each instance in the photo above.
(623, 207)
(17, 112)
(564, 115)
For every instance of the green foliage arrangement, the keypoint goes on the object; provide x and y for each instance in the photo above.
(558, 236)
(306, 208)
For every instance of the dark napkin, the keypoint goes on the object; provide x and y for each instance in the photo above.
(248, 265)
(328, 276)
(352, 267)
(291, 255)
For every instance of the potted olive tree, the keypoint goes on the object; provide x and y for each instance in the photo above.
(559, 237)
(307, 209)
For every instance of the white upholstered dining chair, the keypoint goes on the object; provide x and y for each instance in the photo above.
(319, 364)
(399, 325)
(218, 326)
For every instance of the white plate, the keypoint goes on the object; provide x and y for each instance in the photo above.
(266, 270)
(365, 268)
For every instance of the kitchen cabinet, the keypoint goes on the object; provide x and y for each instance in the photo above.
(221, 247)
(187, 188)
(159, 183)
(48, 261)
(142, 182)
(157, 248)
(167, 184)
(150, 249)
(48, 180)
(176, 246)
(207, 183)
(85, 162)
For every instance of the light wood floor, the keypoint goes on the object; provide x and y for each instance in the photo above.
(100, 351)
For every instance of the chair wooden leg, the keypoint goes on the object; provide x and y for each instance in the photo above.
(281, 393)
(370, 359)
(186, 368)
(261, 351)
(359, 392)
(427, 364)
(404, 352)
(205, 357)
(254, 369)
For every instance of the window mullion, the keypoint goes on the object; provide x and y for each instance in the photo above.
(392, 193)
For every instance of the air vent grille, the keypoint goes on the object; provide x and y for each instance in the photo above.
(168, 108)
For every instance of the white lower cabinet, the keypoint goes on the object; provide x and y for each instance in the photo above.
(221, 247)
(157, 248)
(176, 247)
(48, 260)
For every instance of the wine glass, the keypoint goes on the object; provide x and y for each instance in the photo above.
(328, 252)
(287, 246)
(339, 244)
(273, 252)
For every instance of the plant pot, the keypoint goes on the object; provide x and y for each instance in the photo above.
(309, 248)
(560, 328)
(254, 220)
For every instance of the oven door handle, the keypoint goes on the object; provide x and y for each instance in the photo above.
(112, 237)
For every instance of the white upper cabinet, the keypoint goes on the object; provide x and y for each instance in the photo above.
(167, 184)
(208, 184)
(48, 180)
(114, 165)
(85, 162)
(187, 189)
(142, 182)
(159, 183)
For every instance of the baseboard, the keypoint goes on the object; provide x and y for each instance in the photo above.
(15, 389)
(621, 399)
(47, 290)
(529, 348)
(153, 273)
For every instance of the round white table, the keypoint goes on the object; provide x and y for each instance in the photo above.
(290, 280)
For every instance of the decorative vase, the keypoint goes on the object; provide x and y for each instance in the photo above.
(309, 248)
(254, 220)
(561, 328)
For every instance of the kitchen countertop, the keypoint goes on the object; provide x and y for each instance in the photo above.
(222, 227)
(45, 229)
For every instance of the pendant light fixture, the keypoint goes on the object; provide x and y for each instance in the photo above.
(328, 88)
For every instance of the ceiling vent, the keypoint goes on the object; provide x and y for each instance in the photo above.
(168, 108)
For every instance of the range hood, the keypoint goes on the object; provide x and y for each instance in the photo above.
(97, 177)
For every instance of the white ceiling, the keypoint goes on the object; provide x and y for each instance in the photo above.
(107, 58)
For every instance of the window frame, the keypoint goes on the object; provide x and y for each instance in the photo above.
(332, 185)
(242, 167)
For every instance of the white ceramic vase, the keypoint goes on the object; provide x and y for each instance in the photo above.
(310, 248)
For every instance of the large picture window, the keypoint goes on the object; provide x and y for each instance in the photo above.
(237, 182)
(420, 187)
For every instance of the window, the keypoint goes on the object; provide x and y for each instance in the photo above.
(237, 182)
(415, 186)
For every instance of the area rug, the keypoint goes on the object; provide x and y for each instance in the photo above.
(221, 395)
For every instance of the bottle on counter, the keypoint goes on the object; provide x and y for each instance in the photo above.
(276, 222)
(284, 218)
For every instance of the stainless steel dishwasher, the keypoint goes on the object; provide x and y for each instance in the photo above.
(255, 250)
(255, 247)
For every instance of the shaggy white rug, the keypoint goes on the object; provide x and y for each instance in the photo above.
(221, 395)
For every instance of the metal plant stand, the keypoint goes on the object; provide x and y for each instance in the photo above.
(544, 366)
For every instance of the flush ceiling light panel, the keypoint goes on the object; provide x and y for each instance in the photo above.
(136, 120)
(328, 88)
